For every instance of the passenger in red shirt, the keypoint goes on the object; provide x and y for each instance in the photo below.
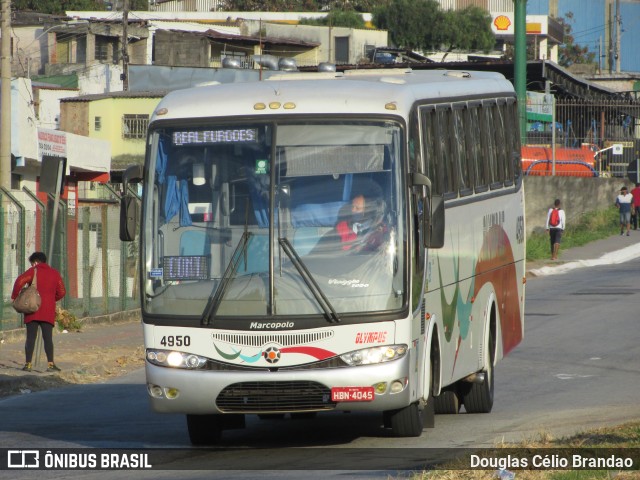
(636, 206)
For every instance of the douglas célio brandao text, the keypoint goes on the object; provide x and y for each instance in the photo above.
(551, 461)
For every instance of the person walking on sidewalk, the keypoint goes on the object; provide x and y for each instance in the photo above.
(555, 226)
(51, 289)
(635, 210)
(624, 202)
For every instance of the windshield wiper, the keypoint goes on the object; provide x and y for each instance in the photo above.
(314, 288)
(238, 254)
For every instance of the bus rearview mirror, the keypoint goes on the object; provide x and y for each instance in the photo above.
(129, 214)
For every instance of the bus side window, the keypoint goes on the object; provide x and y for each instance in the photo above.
(502, 150)
(416, 164)
(489, 144)
(477, 161)
(444, 158)
(459, 150)
(427, 115)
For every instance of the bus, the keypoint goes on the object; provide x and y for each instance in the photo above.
(322, 241)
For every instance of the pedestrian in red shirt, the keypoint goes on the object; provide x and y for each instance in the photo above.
(636, 206)
(51, 289)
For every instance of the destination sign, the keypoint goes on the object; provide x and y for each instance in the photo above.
(209, 137)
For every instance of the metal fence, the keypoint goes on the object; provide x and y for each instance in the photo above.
(99, 271)
(585, 131)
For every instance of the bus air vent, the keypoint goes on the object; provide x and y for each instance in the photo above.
(257, 340)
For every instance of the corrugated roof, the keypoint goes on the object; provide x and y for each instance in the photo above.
(232, 37)
(110, 95)
(265, 40)
(191, 27)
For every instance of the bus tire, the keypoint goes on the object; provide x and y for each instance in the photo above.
(448, 402)
(478, 397)
(407, 421)
(429, 410)
(204, 429)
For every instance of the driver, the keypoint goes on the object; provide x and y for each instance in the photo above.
(362, 222)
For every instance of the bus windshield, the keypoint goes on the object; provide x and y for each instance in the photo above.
(298, 219)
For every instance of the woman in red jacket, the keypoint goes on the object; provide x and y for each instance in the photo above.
(51, 289)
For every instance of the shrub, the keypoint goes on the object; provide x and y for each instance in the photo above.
(67, 320)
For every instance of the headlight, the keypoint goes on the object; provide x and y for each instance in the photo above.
(374, 355)
(167, 358)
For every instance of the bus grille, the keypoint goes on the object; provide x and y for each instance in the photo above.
(261, 397)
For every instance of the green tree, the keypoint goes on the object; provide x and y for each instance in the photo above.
(410, 23)
(357, 5)
(421, 24)
(270, 5)
(299, 5)
(337, 18)
(139, 5)
(57, 7)
(468, 29)
(570, 52)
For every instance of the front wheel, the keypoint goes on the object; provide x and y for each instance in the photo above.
(407, 421)
(204, 429)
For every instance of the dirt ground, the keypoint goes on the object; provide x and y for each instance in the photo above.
(95, 354)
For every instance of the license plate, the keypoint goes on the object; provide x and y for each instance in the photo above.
(352, 394)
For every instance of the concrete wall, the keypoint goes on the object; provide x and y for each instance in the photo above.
(100, 78)
(47, 102)
(358, 38)
(579, 195)
(30, 50)
(181, 48)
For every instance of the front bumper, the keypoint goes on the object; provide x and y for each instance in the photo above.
(215, 392)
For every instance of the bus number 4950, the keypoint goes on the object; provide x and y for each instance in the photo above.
(176, 341)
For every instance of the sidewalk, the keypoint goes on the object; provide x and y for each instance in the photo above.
(612, 250)
(99, 352)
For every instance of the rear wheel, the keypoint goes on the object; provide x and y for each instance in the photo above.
(407, 421)
(204, 429)
(448, 402)
(478, 397)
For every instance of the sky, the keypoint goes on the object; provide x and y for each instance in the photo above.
(589, 26)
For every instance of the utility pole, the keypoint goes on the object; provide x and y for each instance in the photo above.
(125, 46)
(5, 96)
(599, 55)
(618, 36)
(611, 49)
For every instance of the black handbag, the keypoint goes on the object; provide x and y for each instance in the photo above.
(28, 300)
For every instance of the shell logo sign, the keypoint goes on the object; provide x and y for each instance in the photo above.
(502, 22)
